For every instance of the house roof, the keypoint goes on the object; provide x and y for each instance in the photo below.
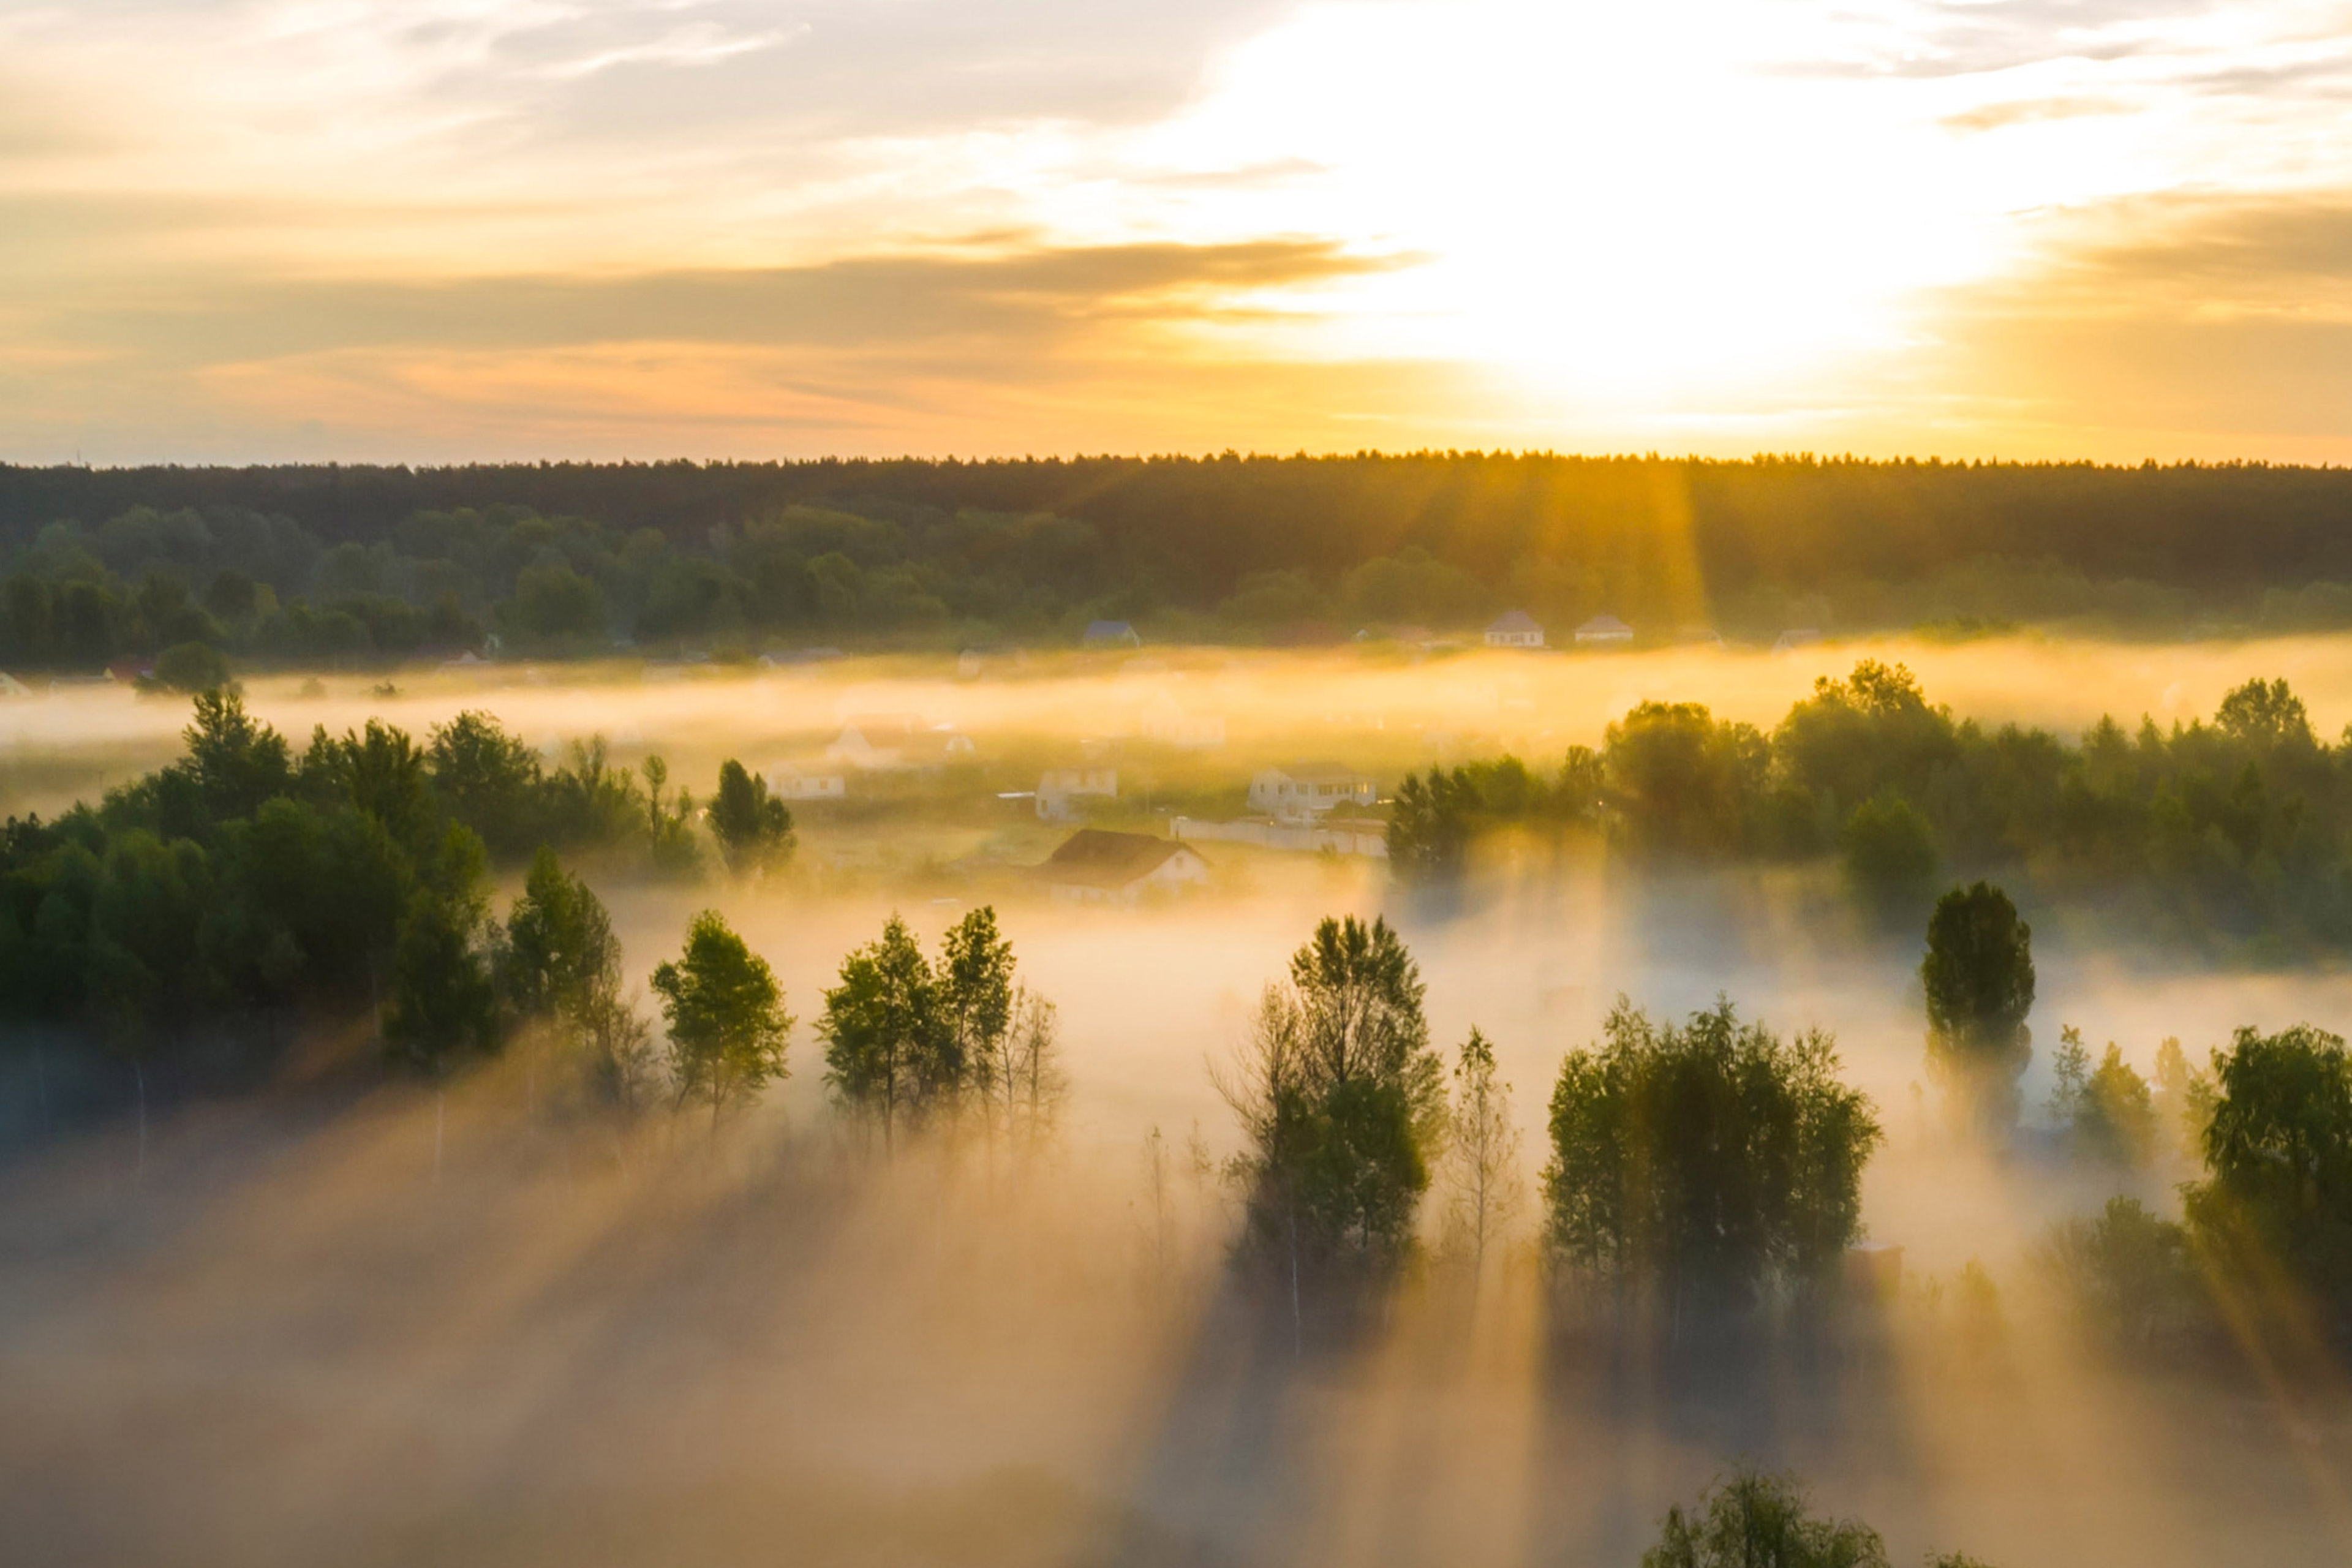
(1604, 626)
(1092, 858)
(1322, 773)
(1514, 621)
(1110, 631)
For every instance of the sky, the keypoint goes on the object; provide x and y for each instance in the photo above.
(450, 230)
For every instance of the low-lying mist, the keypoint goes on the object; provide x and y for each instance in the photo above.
(334, 1316)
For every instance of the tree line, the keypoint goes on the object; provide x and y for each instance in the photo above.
(247, 883)
(305, 563)
(2234, 831)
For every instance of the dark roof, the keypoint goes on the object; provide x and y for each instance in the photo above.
(1092, 858)
(1514, 621)
(1322, 772)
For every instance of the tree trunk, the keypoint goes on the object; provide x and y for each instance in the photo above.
(139, 1077)
(440, 1118)
(1298, 1318)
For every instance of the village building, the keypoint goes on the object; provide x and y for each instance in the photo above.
(875, 741)
(1060, 789)
(793, 782)
(1515, 628)
(1110, 634)
(1095, 867)
(1603, 631)
(1302, 790)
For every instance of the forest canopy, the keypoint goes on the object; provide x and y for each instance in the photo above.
(307, 563)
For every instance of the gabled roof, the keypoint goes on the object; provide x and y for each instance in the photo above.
(1604, 626)
(1322, 773)
(1514, 621)
(1092, 858)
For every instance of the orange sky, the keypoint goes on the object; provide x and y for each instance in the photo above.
(446, 229)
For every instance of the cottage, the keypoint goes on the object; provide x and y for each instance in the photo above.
(1603, 631)
(1092, 866)
(792, 782)
(1515, 628)
(1304, 790)
(885, 741)
(1060, 787)
(1111, 634)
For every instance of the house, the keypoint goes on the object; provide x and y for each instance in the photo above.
(130, 671)
(876, 741)
(1092, 866)
(1515, 628)
(1304, 790)
(1060, 786)
(1603, 631)
(1110, 634)
(1795, 637)
(794, 783)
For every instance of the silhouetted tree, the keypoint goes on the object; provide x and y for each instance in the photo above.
(885, 1037)
(441, 1003)
(1979, 979)
(751, 828)
(1485, 1183)
(1757, 1520)
(2277, 1200)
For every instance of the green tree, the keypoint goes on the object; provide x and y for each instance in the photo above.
(559, 967)
(1890, 857)
(1979, 979)
(2277, 1198)
(1696, 1164)
(441, 1003)
(2127, 1271)
(727, 1026)
(752, 828)
(1341, 1100)
(234, 761)
(1757, 1520)
(190, 668)
(888, 1046)
(975, 990)
(486, 779)
(2109, 1111)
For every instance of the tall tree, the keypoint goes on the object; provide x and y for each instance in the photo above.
(975, 992)
(727, 1025)
(1760, 1521)
(1698, 1163)
(1979, 979)
(1481, 1156)
(752, 828)
(559, 967)
(1340, 1098)
(886, 1040)
(441, 1004)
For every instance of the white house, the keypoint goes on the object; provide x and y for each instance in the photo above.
(1515, 628)
(1111, 634)
(1303, 790)
(1603, 631)
(879, 740)
(1060, 786)
(794, 782)
(1092, 866)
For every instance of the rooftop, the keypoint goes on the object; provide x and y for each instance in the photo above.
(1092, 858)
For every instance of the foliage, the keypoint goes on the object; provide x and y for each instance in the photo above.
(2108, 1111)
(441, 1004)
(1979, 979)
(1890, 857)
(1484, 1181)
(2128, 1271)
(1340, 1098)
(2277, 1199)
(751, 828)
(1703, 1163)
(1757, 1520)
(726, 1017)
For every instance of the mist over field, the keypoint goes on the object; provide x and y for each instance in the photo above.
(320, 1315)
